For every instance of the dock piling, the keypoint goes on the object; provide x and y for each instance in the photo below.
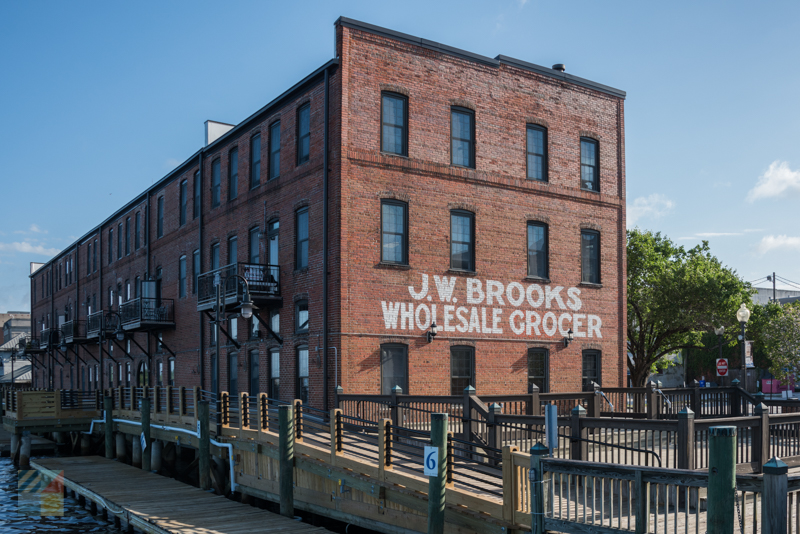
(204, 446)
(122, 453)
(721, 479)
(109, 428)
(286, 459)
(146, 447)
(25, 451)
(436, 484)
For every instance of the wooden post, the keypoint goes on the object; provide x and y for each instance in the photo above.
(468, 424)
(436, 484)
(773, 501)
(642, 490)
(721, 479)
(686, 439)
(336, 434)
(286, 459)
(511, 497)
(578, 446)
(108, 407)
(534, 406)
(536, 479)
(204, 445)
(196, 396)
(339, 392)
(384, 446)
(495, 432)
(146, 449)
(761, 436)
(595, 402)
(652, 401)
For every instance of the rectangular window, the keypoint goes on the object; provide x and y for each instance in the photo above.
(94, 256)
(590, 256)
(182, 277)
(537, 153)
(88, 261)
(272, 247)
(233, 249)
(233, 174)
(302, 374)
(233, 374)
(462, 137)
(160, 218)
(301, 316)
(215, 256)
(275, 320)
(394, 232)
(171, 372)
(274, 374)
(183, 200)
(275, 150)
(137, 287)
(119, 241)
(254, 389)
(197, 189)
(538, 367)
(462, 369)
(254, 245)
(303, 133)
(301, 236)
(591, 369)
(127, 236)
(110, 245)
(394, 368)
(255, 161)
(394, 124)
(195, 270)
(462, 240)
(538, 264)
(215, 183)
(590, 172)
(137, 230)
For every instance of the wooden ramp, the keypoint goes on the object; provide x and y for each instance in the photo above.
(156, 504)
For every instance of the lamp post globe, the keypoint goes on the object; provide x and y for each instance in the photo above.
(743, 314)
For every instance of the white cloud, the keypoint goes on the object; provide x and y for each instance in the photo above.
(653, 206)
(777, 181)
(26, 247)
(778, 242)
(717, 234)
(522, 2)
(37, 230)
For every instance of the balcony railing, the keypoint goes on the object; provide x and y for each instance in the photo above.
(49, 336)
(147, 312)
(263, 280)
(72, 330)
(94, 323)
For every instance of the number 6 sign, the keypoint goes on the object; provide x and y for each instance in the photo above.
(431, 461)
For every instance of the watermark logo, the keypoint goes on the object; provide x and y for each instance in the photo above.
(40, 495)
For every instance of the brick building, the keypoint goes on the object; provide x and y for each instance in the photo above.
(484, 195)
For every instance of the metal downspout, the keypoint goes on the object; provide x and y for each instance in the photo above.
(325, 254)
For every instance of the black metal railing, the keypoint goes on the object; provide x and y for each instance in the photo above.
(73, 329)
(263, 281)
(49, 336)
(147, 310)
(94, 323)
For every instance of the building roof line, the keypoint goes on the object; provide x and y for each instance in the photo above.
(178, 170)
(477, 58)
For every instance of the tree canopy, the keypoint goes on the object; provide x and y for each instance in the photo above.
(675, 296)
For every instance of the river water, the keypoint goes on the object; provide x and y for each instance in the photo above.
(75, 519)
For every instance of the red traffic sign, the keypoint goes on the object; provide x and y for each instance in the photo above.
(722, 367)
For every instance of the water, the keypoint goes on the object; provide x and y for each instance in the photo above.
(75, 519)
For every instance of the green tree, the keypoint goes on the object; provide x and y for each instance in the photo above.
(675, 296)
(779, 337)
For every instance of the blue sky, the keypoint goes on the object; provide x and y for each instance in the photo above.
(100, 99)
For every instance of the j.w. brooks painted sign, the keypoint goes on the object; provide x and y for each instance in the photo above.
(486, 309)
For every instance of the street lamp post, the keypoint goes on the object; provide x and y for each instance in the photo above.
(120, 335)
(246, 309)
(743, 315)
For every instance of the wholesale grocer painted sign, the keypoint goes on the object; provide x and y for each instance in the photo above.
(482, 306)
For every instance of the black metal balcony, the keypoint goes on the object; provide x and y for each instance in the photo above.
(49, 337)
(32, 344)
(148, 314)
(263, 281)
(73, 331)
(94, 323)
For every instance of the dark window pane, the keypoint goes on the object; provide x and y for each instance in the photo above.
(274, 374)
(302, 374)
(160, 218)
(394, 368)
(461, 241)
(215, 256)
(537, 250)
(462, 369)
(254, 389)
(302, 239)
(182, 277)
(183, 194)
(233, 374)
(393, 122)
(275, 150)
(272, 248)
(233, 174)
(536, 153)
(461, 138)
(195, 269)
(303, 133)
(196, 194)
(589, 164)
(255, 161)
(137, 228)
(301, 316)
(254, 245)
(537, 369)
(233, 250)
(215, 183)
(591, 369)
(590, 257)
(393, 237)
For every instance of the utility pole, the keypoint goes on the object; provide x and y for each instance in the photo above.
(774, 293)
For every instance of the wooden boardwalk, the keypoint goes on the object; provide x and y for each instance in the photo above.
(156, 504)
